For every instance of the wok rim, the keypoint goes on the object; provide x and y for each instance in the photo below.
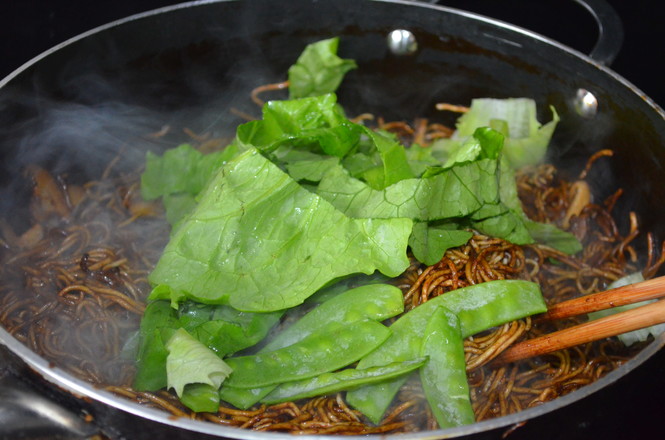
(82, 389)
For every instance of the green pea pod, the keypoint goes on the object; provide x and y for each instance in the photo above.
(244, 398)
(343, 380)
(478, 308)
(375, 301)
(444, 374)
(333, 347)
(200, 397)
(158, 324)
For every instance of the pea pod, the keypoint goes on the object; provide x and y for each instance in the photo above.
(444, 374)
(200, 397)
(158, 324)
(375, 301)
(343, 380)
(243, 398)
(334, 346)
(478, 307)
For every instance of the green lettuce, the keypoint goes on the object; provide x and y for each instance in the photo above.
(224, 329)
(318, 70)
(179, 175)
(311, 124)
(260, 242)
(191, 362)
(526, 139)
(180, 170)
(456, 192)
(640, 335)
(429, 242)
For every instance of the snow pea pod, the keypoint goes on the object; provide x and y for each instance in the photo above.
(200, 397)
(332, 347)
(478, 307)
(243, 398)
(343, 380)
(444, 374)
(375, 301)
(157, 326)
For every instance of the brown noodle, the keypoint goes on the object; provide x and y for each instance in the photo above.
(74, 284)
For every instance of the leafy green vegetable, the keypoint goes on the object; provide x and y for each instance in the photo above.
(497, 220)
(180, 170)
(191, 362)
(260, 242)
(527, 140)
(311, 170)
(224, 329)
(640, 335)
(312, 124)
(456, 192)
(318, 70)
(179, 175)
(485, 143)
(395, 166)
(552, 236)
(177, 206)
(429, 242)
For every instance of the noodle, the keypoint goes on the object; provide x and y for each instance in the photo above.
(73, 290)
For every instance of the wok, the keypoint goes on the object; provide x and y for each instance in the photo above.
(232, 46)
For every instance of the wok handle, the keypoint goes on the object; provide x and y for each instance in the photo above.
(610, 30)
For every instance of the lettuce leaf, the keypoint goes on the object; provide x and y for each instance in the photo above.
(429, 242)
(180, 170)
(224, 329)
(179, 175)
(191, 362)
(640, 335)
(527, 139)
(314, 124)
(394, 165)
(260, 242)
(456, 192)
(485, 143)
(318, 70)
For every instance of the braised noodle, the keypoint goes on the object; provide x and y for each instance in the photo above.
(74, 284)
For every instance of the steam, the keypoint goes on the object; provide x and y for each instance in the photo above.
(76, 126)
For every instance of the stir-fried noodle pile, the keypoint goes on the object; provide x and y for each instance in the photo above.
(74, 285)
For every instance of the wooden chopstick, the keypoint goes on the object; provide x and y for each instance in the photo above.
(640, 317)
(619, 296)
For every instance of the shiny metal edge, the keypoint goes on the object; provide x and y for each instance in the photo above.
(80, 388)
